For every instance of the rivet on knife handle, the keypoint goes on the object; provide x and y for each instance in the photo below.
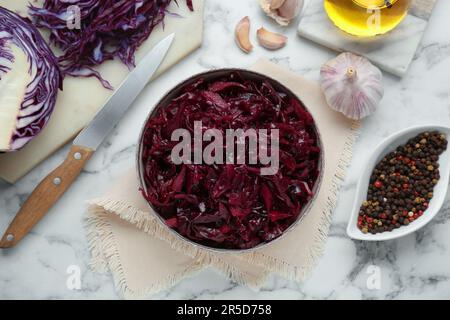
(46, 194)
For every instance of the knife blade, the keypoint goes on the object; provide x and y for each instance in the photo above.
(54, 185)
(94, 134)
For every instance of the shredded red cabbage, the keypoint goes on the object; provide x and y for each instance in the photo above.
(231, 206)
(39, 99)
(109, 29)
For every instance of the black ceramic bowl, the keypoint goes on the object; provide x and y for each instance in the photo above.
(212, 75)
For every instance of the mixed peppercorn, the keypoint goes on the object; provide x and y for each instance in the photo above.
(402, 184)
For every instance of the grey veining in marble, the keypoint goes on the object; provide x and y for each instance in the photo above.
(417, 266)
(393, 52)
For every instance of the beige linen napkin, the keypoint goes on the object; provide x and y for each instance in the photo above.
(126, 239)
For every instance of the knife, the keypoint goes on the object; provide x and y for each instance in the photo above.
(52, 187)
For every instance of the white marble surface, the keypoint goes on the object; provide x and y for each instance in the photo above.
(417, 266)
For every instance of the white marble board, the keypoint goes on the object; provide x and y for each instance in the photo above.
(82, 98)
(392, 52)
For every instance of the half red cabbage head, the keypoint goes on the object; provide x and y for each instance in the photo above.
(230, 206)
(29, 81)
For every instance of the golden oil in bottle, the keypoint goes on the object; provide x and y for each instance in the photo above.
(366, 18)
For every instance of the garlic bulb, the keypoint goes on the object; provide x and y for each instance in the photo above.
(352, 85)
(283, 11)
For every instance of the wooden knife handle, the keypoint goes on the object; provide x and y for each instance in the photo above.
(45, 195)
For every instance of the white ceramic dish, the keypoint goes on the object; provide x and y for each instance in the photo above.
(440, 190)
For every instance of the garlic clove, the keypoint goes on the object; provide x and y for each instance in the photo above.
(290, 9)
(242, 34)
(282, 11)
(276, 4)
(352, 85)
(271, 40)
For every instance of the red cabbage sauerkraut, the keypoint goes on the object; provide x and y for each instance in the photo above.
(231, 206)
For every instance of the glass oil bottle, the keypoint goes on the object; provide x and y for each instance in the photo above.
(367, 18)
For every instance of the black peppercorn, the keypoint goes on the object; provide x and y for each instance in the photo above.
(401, 185)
